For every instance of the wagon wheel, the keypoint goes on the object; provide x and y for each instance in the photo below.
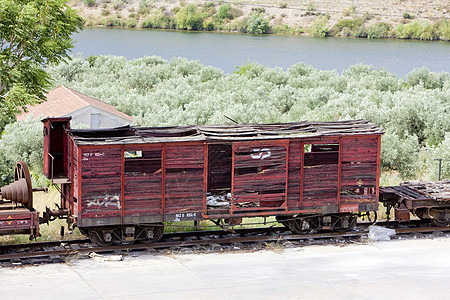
(440, 223)
(153, 233)
(21, 172)
(440, 218)
(297, 226)
(352, 220)
(284, 221)
(98, 237)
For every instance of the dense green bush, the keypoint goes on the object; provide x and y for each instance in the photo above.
(159, 20)
(420, 30)
(442, 29)
(414, 112)
(131, 23)
(442, 151)
(347, 26)
(319, 27)
(189, 18)
(224, 12)
(285, 29)
(112, 21)
(209, 25)
(257, 24)
(378, 31)
(429, 80)
(22, 141)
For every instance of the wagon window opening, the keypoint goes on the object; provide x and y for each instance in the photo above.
(320, 154)
(219, 168)
(143, 161)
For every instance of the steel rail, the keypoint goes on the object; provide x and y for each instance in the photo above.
(167, 244)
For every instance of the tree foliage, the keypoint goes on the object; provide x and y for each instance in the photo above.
(414, 112)
(33, 34)
(189, 18)
(257, 24)
(21, 141)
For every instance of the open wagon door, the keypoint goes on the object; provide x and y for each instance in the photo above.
(259, 176)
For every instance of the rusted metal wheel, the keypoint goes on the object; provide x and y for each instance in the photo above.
(344, 223)
(439, 223)
(21, 171)
(299, 226)
(20, 191)
(152, 233)
(440, 217)
(284, 221)
(98, 237)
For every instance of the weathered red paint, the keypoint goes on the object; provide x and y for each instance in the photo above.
(294, 175)
(18, 220)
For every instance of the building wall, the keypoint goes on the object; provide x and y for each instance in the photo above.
(83, 117)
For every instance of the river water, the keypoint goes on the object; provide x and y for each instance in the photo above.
(227, 51)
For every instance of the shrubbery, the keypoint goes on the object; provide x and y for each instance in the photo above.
(420, 30)
(210, 16)
(414, 112)
(257, 24)
(159, 20)
(189, 18)
(22, 141)
(319, 27)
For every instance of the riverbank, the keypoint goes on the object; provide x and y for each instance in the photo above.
(405, 19)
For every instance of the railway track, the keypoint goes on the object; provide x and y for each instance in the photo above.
(200, 241)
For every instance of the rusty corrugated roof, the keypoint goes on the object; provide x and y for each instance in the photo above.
(233, 132)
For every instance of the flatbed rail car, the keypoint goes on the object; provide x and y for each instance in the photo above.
(426, 200)
(122, 184)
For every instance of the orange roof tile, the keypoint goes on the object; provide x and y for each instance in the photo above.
(62, 101)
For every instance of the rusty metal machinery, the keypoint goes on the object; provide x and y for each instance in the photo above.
(426, 200)
(20, 191)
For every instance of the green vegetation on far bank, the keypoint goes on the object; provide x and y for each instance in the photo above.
(413, 111)
(217, 16)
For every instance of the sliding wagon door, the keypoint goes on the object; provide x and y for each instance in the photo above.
(184, 186)
(321, 175)
(259, 175)
(142, 181)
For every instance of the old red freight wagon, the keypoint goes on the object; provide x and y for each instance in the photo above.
(121, 184)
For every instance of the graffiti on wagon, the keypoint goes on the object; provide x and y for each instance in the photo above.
(261, 153)
(104, 201)
(86, 155)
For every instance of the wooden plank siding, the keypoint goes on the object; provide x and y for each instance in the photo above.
(101, 171)
(259, 175)
(142, 188)
(294, 174)
(360, 170)
(303, 176)
(320, 171)
(184, 178)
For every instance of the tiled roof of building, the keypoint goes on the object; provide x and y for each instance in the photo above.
(62, 101)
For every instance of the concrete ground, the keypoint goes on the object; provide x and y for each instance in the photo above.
(399, 269)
